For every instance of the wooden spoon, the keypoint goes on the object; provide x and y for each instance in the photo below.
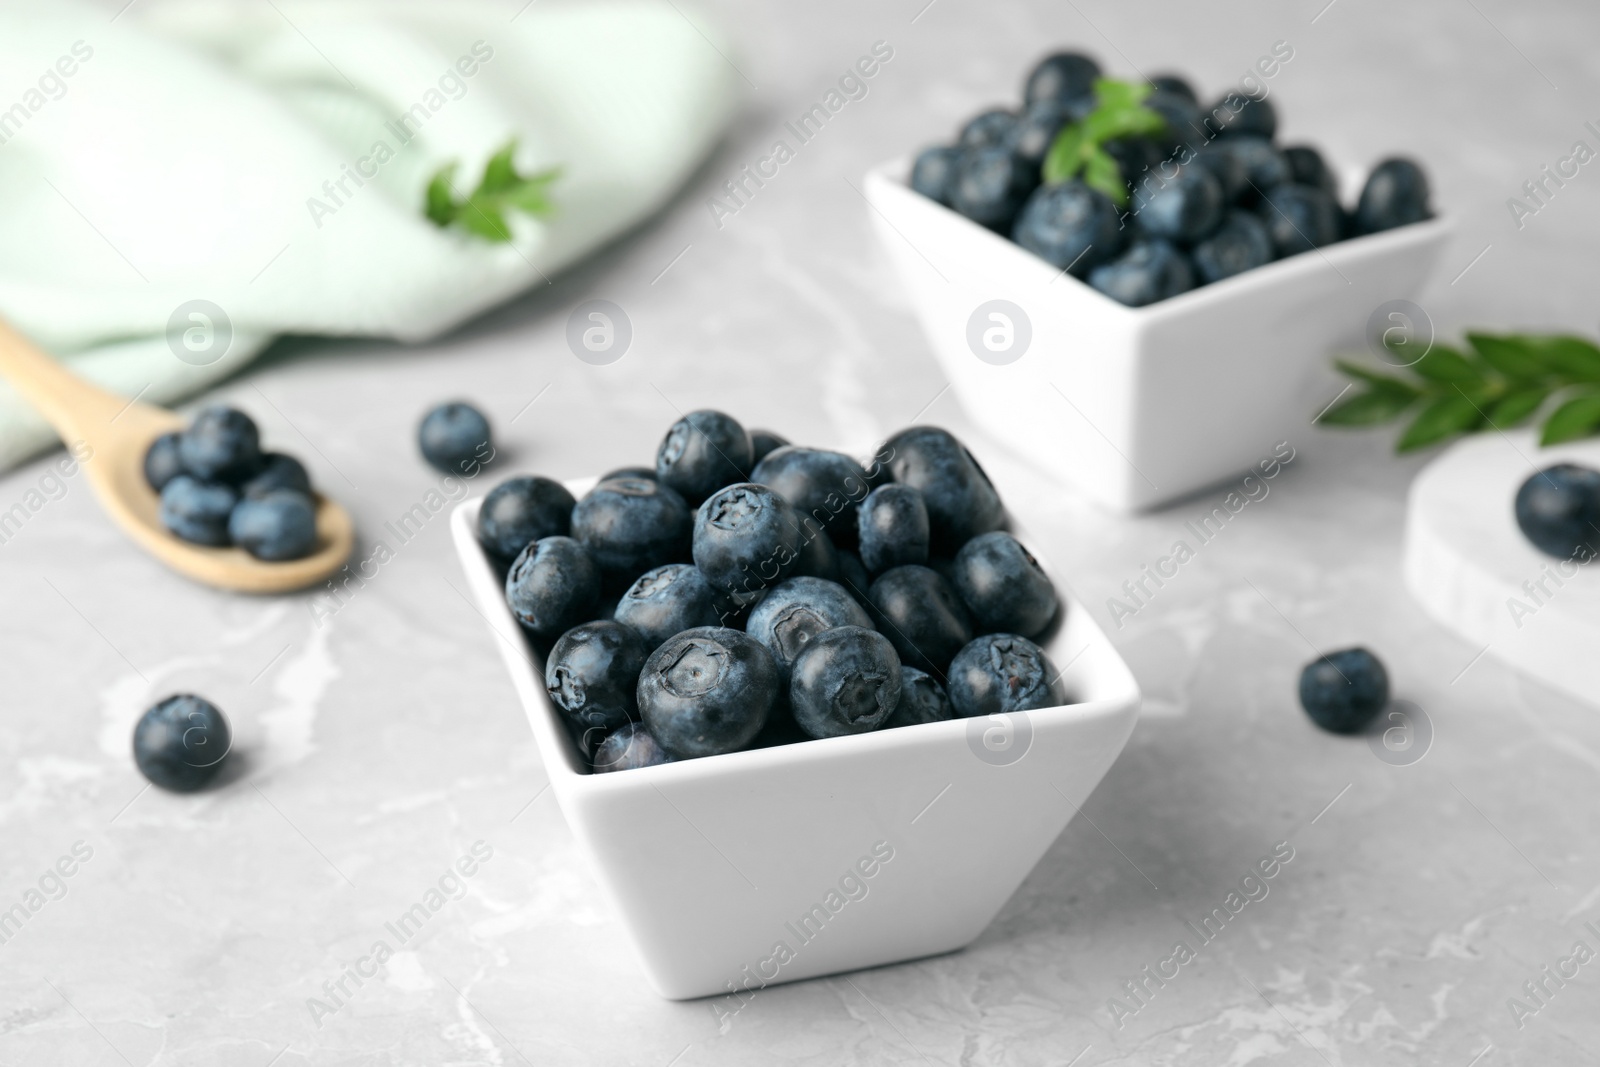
(118, 432)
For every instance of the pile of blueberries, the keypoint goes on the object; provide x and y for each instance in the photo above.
(219, 488)
(746, 592)
(1210, 198)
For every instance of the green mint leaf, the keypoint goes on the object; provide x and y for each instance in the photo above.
(501, 188)
(1578, 417)
(1515, 357)
(440, 202)
(1101, 172)
(1443, 364)
(1575, 357)
(1066, 156)
(1111, 92)
(483, 217)
(1369, 408)
(1516, 406)
(1443, 417)
(1374, 378)
(500, 173)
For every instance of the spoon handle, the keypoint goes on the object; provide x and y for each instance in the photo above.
(77, 409)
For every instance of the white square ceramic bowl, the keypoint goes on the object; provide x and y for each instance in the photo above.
(712, 863)
(1141, 406)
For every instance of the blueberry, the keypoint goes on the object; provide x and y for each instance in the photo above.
(1061, 76)
(922, 615)
(1000, 673)
(1264, 167)
(991, 186)
(819, 558)
(825, 488)
(629, 525)
(1238, 115)
(197, 511)
(552, 586)
(1033, 134)
(647, 473)
(1185, 123)
(278, 471)
(162, 462)
(667, 601)
(708, 690)
(455, 438)
(1226, 166)
(991, 127)
(1300, 218)
(221, 445)
(1396, 194)
(1070, 226)
(960, 499)
(746, 538)
(180, 744)
(628, 749)
(1344, 691)
(1175, 86)
(275, 526)
(1185, 207)
(520, 511)
(1307, 167)
(1241, 243)
(1151, 270)
(921, 700)
(844, 681)
(893, 528)
(1558, 510)
(796, 611)
(592, 674)
(934, 176)
(702, 452)
(1003, 586)
(1135, 156)
(854, 578)
(763, 443)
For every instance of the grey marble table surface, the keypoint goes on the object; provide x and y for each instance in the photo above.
(378, 742)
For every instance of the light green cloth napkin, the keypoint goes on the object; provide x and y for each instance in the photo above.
(189, 151)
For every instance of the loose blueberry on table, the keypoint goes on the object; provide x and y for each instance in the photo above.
(741, 625)
(181, 743)
(1344, 691)
(218, 488)
(1145, 216)
(454, 437)
(1558, 511)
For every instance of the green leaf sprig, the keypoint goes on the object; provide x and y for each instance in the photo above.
(1080, 146)
(501, 189)
(1501, 381)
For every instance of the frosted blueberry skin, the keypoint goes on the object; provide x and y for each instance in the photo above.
(763, 443)
(1558, 511)
(1226, 166)
(1241, 243)
(1036, 128)
(991, 186)
(162, 462)
(552, 586)
(922, 700)
(631, 525)
(181, 743)
(922, 616)
(1299, 218)
(960, 499)
(1344, 691)
(824, 487)
(278, 471)
(1263, 167)
(1061, 76)
(1003, 586)
(592, 674)
(987, 128)
(1237, 115)
(455, 438)
(666, 601)
(893, 527)
(1185, 121)
(1172, 83)
(197, 511)
(934, 175)
(647, 473)
(275, 526)
(854, 578)
(1396, 194)
(1307, 167)
(520, 511)
(819, 558)
(222, 444)
(707, 691)
(845, 681)
(701, 453)
(1150, 271)
(629, 748)
(796, 611)
(1184, 208)
(747, 538)
(1070, 226)
(1000, 673)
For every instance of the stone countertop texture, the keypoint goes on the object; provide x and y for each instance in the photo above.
(377, 742)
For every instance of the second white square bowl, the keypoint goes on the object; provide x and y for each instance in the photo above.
(1137, 406)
